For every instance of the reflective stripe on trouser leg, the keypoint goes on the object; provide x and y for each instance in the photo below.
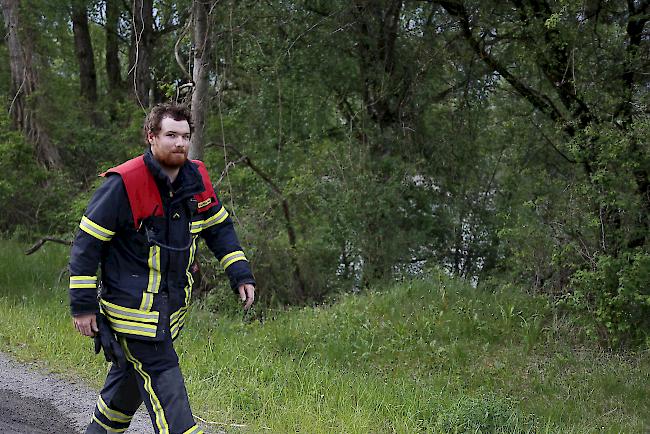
(161, 385)
(117, 402)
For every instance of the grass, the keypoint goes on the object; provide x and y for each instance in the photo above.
(430, 355)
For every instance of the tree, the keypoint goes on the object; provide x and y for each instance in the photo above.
(202, 43)
(579, 69)
(84, 51)
(141, 51)
(112, 61)
(24, 107)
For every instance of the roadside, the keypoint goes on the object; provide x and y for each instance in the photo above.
(33, 402)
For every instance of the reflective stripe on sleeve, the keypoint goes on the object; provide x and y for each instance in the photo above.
(83, 281)
(198, 225)
(97, 231)
(177, 321)
(217, 218)
(230, 258)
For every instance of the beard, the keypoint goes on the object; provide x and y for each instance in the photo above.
(172, 160)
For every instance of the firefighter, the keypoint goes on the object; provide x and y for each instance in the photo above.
(141, 229)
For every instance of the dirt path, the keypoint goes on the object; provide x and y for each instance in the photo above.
(34, 402)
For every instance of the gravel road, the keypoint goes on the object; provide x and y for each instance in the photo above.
(35, 402)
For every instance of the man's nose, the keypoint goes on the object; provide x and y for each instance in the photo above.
(182, 141)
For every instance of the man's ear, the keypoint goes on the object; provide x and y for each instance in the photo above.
(149, 137)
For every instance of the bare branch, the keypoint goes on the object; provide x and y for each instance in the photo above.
(42, 241)
(177, 54)
(291, 233)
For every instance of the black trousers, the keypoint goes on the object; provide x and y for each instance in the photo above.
(152, 376)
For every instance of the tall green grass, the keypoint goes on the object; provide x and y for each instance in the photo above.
(430, 355)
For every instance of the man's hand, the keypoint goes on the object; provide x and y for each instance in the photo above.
(86, 324)
(247, 294)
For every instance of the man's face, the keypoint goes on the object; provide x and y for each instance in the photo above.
(171, 145)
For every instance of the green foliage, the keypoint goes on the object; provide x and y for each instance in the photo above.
(615, 293)
(382, 146)
(428, 355)
(33, 198)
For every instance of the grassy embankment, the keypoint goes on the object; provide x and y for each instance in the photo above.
(432, 355)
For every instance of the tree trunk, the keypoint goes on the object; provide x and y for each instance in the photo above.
(113, 74)
(84, 50)
(24, 83)
(377, 26)
(141, 48)
(202, 55)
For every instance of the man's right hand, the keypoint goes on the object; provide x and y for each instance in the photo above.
(86, 324)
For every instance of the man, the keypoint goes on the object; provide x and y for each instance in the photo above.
(141, 227)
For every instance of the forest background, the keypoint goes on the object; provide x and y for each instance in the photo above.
(359, 142)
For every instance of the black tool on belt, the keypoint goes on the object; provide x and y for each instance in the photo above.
(105, 339)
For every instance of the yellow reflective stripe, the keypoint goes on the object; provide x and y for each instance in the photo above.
(106, 427)
(217, 218)
(147, 301)
(194, 430)
(83, 281)
(198, 225)
(154, 270)
(127, 313)
(177, 321)
(233, 260)
(176, 328)
(195, 227)
(97, 231)
(161, 422)
(130, 329)
(232, 257)
(133, 326)
(190, 279)
(175, 315)
(112, 415)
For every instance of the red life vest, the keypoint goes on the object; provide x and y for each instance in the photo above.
(143, 193)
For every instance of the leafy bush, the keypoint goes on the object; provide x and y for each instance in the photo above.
(32, 197)
(616, 294)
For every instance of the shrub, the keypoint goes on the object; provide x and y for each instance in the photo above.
(616, 295)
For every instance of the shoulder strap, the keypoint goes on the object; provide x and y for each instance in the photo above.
(207, 199)
(141, 188)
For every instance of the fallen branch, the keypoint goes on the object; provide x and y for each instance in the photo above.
(42, 241)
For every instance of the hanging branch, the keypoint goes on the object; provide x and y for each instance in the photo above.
(177, 54)
(291, 233)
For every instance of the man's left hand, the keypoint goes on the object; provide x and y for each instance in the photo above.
(247, 294)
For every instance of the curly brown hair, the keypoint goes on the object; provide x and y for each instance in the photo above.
(177, 112)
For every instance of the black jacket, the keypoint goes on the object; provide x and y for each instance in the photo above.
(146, 281)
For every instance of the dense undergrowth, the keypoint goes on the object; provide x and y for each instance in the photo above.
(426, 355)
